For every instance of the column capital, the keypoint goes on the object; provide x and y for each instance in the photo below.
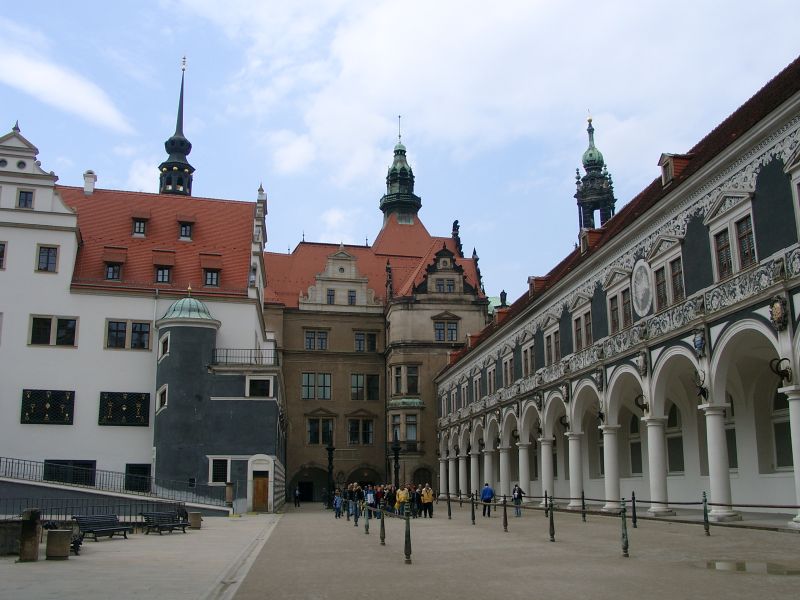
(488, 450)
(573, 435)
(714, 409)
(523, 445)
(654, 421)
(792, 392)
(475, 453)
(442, 460)
(545, 441)
(609, 429)
(504, 449)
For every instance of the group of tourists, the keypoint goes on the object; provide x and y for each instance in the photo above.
(488, 496)
(416, 499)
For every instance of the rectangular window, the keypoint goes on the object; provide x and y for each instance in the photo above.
(373, 387)
(438, 331)
(351, 297)
(675, 454)
(320, 431)
(128, 334)
(587, 328)
(722, 248)
(25, 199)
(372, 342)
(730, 439)
(627, 311)
(491, 381)
(411, 428)
(116, 333)
(137, 477)
(452, 332)
(744, 236)
(139, 226)
(113, 271)
(72, 472)
(636, 458)
(331, 296)
(311, 337)
(476, 389)
(440, 286)
(395, 427)
(613, 305)
(527, 361)
(219, 470)
(53, 331)
(323, 386)
(259, 387)
(361, 342)
(2, 255)
(548, 350)
(307, 387)
(211, 277)
(367, 432)
(661, 289)
(556, 345)
(450, 284)
(676, 273)
(48, 259)
(783, 444)
(578, 334)
(412, 380)
(360, 431)
(398, 380)
(140, 336)
(508, 371)
(356, 386)
(322, 340)
(353, 431)
(316, 340)
(163, 274)
(186, 231)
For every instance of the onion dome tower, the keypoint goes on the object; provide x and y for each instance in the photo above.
(175, 173)
(595, 189)
(400, 197)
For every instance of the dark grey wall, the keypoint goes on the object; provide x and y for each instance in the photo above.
(538, 349)
(599, 313)
(773, 211)
(565, 331)
(193, 426)
(698, 271)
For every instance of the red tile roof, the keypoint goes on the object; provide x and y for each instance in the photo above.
(408, 248)
(222, 234)
(777, 91)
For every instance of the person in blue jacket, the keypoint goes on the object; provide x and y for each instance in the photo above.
(487, 495)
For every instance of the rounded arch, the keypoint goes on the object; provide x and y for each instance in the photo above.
(444, 442)
(624, 385)
(673, 379)
(477, 435)
(510, 423)
(311, 480)
(554, 408)
(464, 438)
(452, 444)
(585, 398)
(423, 475)
(492, 432)
(364, 475)
(530, 418)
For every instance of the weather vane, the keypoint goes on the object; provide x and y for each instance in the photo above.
(183, 64)
(399, 137)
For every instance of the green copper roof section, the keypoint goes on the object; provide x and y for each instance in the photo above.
(400, 185)
(188, 308)
(592, 158)
(406, 403)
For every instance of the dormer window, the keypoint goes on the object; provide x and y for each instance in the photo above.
(113, 271)
(25, 199)
(139, 227)
(667, 172)
(331, 296)
(186, 230)
(211, 277)
(163, 274)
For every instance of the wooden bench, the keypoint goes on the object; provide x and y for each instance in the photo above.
(97, 525)
(163, 521)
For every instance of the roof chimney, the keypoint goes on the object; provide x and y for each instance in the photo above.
(89, 179)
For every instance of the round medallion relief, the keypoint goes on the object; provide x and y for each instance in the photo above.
(641, 289)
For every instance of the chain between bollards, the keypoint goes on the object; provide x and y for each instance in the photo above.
(706, 526)
(472, 505)
(633, 509)
(449, 511)
(366, 519)
(583, 506)
(552, 524)
(624, 531)
(408, 535)
(383, 519)
(505, 514)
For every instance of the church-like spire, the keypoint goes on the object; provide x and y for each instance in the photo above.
(400, 197)
(175, 173)
(595, 189)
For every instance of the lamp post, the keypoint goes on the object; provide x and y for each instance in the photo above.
(329, 448)
(396, 453)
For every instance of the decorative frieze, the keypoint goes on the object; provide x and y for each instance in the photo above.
(624, 340)
(586, 358)
(675, 317)
(744, 286)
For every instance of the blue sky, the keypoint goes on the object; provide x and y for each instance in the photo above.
(304, 97)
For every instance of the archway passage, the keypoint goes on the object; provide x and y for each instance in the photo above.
(312, 482)
(364, 476)
(422, 476)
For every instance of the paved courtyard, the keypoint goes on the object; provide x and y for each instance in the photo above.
(308, 554)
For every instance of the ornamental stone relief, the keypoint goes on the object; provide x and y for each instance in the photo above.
(624, 340)
(792, 259)
(745, 285)
(675, 317)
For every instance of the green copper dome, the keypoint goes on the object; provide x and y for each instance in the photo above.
(188, 308)
(592, 157)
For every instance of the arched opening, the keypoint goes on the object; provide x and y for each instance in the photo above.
(312, 483)
(423, 476)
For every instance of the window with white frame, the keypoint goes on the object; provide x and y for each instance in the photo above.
(219, 470)
(259, 387)
(620, 310)
(464, 399)
(666, 264)
(47, 259)
(730, 229)
(552, 345)
(528, 364)
(476, 388)
(3, 246)
(127, 334)
(163, 346)
(582, 327)
(508, 370)
(47, 330)
(491, 380)
(453, 398)
(315, 340)
(405, 380)
(315, 386)
(25, 199)
(162, 396)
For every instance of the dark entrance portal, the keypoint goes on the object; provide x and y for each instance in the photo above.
(306, 491)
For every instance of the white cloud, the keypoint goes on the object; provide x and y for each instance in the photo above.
(338, 225)
(142, 175)
(51, 83)
(291, 152)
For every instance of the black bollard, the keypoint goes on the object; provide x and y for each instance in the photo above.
(624, 531)
(347, 508)
(545, 504)
(583, 506)
(552, 524)
(706, 526)
(633, 509)
(383, 519)
(460, 499)
(505, 514)
(407, 548)
(366, 519)
(449, 511)
(472, 505)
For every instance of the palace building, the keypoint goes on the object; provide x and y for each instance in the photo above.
(662, 355)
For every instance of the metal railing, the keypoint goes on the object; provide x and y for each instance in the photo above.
(246, 356)
(110, 481)
(62, 509)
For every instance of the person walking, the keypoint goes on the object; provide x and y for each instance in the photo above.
(297, 497)
(401, 499)
(337, 504)
(358, 501)
(487, 495)
(427, 501)
(516, 497)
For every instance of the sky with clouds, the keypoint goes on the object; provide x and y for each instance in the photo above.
(304, 97)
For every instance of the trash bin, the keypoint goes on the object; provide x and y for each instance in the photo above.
(58, 542)
(195, 520)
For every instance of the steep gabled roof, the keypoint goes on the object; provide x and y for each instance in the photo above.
(222, 234)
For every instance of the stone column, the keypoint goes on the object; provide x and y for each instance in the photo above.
(452, 482)
(546, 454)
(488, 467)
(524, 467)
(463, 480)
(611, 467)
(505, 471)
(475, 471)
(793, 394)
(442, 477)
(575, 470)
(718, 470)
(657, 465)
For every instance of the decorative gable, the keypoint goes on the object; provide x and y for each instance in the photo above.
(726, 202)
(445, 316)
(661, 246)
(616, 277)
(320, 412)
(579, 301)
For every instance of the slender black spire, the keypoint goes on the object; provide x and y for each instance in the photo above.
(595, 189)
(175, 173)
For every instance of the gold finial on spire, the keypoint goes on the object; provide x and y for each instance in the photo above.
(183, 64)
(189, 291)
(589, 112)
